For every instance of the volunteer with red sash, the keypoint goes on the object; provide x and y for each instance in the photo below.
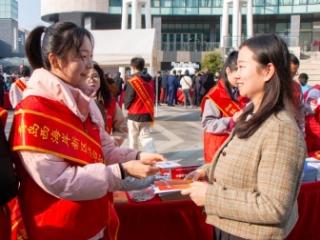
(17, 88)
(8, 181)
(68, 163)
(138, 101)
(221, 108)
(96, 86)
(312, 123)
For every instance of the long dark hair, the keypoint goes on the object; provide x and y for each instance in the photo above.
(59, 38)
(231, 62)
(277, 96)
(103, 93)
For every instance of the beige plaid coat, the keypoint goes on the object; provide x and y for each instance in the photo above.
(255, 181)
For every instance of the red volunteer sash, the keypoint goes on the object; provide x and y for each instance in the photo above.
(225, 104)
(43, 133)
(110, 112)
(21, 85)
(143, 94)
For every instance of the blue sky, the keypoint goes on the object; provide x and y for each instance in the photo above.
(29, 14)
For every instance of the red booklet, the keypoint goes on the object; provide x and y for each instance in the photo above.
(173, 184)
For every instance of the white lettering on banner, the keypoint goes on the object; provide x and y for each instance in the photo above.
(185, 65)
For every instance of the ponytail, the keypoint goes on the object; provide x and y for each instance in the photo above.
(33, 47)
(59, 38)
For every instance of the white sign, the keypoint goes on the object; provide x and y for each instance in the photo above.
(185, 65)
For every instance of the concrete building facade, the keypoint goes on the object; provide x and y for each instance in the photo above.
(187, 29)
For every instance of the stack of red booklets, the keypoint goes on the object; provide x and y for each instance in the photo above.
(171, 185)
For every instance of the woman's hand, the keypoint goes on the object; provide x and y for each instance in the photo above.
(139, 169)
(198, 174)
(151, 158)
(197, 192)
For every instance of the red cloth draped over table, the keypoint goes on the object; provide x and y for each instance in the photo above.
(308, 224)
(156, 220)
(183, 220)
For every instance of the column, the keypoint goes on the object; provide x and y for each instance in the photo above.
(294, 31)
(235, 23)
(147, 10)
(249, 19)
(88, 23)
(139, 15)
(239, 26)
(124, 17)
(224, 24)
(134, 11)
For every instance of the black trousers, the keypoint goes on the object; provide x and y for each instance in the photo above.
(221, 235)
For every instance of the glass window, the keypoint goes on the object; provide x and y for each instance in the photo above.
(272, 2)
(281, 27)
(205, 3)
(115, 3)
(258, 3)
(285, 2)
(178, 3)
(192, 3)
(155, 3)
(217, 3)
(314, 1)
(166, 3)
(306, 26)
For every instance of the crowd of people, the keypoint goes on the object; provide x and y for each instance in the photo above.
(180, 87)
(68, 128)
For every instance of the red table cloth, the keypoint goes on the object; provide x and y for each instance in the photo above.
(183, 220)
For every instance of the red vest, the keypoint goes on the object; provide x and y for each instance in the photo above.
(220, 97)
(312, 127)
(37, 127)
(110, 112)
(3, 117)
(143, 102)
(4, 211)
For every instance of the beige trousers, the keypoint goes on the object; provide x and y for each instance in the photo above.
(140, 132)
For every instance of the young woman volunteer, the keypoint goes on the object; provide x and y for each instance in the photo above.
(68, 163)
(220, 108)
(96, 86)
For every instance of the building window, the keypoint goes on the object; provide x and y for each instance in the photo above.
(314, 1)
(155, 3)
(217, 3)
(115, 3)
(166, 3)
(285, 2)
(205, 3)
(272, 2)
(258, 3)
